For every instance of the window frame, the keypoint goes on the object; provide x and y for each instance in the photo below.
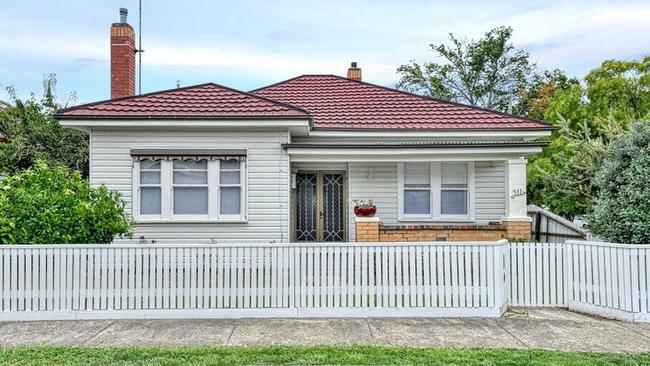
(436, 194)
(140, 185)
(167, 195)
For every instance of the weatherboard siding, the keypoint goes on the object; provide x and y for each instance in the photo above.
(267, 172)
(381, 186)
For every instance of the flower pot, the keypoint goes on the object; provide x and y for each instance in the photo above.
(365, 211)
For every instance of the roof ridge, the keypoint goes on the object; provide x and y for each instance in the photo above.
(259, 97)
(408, 94)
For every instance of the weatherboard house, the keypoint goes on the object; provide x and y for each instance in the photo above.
(288, 162)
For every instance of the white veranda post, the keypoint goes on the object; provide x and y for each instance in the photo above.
(515, 170)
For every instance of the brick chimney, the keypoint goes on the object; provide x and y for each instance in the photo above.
(354, 72)
(122, 58)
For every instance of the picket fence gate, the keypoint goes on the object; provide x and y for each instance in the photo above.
(256, 280)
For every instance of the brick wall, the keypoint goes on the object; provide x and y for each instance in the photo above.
(373, 231)
(367, 229)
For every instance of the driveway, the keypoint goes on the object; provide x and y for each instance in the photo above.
(520, 328)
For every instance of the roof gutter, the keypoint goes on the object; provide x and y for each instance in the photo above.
(416, 146)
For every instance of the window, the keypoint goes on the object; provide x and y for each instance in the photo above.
(150, 187)
(417, 189)
(454, 189)
(230, 187)
(189, 189)
(435, 191)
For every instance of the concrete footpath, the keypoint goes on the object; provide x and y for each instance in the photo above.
(524, 328)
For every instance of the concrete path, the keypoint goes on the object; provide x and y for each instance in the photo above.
(525, 328)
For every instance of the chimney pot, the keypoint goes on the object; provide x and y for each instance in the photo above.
(123, 13)
(354, 72)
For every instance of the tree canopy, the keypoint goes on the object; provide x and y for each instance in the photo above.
(589, 115)
(32, 133)
(489, 72)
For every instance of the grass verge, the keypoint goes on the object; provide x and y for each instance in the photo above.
(303, 355)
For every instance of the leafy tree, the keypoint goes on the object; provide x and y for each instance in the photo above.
(488, 72)
(32, 133)
(622, 207)
(589, 116)
(535, 100)
(55, 205)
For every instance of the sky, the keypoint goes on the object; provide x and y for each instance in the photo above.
(248, 44)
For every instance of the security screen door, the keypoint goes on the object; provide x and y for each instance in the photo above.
(320, 207)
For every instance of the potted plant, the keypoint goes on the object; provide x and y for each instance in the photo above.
(365, 208)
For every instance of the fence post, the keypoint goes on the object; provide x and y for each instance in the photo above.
(567, 258)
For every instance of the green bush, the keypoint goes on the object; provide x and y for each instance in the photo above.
(622, 210)
(55, 205)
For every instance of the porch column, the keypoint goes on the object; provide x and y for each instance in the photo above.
(518, 224)
(367, 229)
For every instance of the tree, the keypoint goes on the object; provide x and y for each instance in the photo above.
(32, 133)
(488, 73)
(589, 115)
(55, 205)
(535, 100)
(622, 207)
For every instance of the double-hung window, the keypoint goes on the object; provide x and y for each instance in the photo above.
(417, 190)
(454, 189)
(230, 192)
(150, 192)
(435, 191)
(189, 188)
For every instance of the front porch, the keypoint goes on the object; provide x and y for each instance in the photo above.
(421, 194)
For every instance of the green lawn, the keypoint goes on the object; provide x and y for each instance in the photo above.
(353, 355)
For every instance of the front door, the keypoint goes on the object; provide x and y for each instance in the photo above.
(320, 206)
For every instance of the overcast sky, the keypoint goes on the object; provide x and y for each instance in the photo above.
(247, 44)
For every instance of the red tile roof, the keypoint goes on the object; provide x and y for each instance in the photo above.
(199, 101)
(341, 103)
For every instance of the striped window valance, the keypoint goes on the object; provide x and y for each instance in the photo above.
(188, 154)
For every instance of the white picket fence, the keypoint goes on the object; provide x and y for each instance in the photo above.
(257, 280)
(333, 279)
(537, 275)
(611, 280)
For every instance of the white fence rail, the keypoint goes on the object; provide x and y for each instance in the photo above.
(337, 279)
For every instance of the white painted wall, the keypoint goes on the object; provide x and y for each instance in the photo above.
(379, 182)
(268, 180)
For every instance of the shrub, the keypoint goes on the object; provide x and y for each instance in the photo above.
(622, 209)
(55, 205)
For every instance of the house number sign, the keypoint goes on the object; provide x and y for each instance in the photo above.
(518, 192)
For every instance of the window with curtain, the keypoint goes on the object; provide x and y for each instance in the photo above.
(454, 189)
(230, 187)
(189, 187)
(150, 187)
(417, 189)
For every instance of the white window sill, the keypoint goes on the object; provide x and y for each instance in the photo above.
(191, 221)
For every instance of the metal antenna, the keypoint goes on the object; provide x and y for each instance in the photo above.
(140, 50)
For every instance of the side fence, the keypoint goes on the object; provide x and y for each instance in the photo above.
(611, 280)
(267, 280)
